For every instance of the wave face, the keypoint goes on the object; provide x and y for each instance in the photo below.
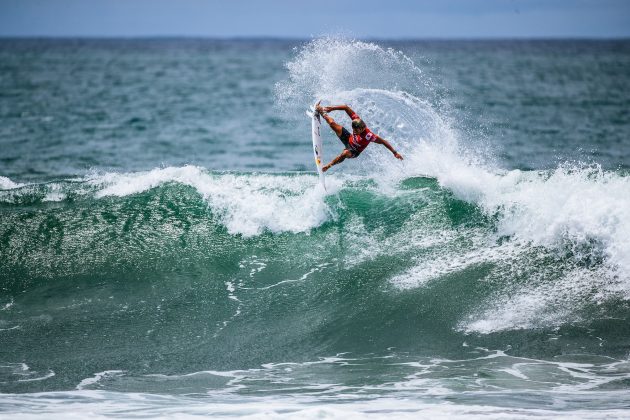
(444, 275)
(189, 270)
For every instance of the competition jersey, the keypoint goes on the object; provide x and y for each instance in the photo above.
(358, 142)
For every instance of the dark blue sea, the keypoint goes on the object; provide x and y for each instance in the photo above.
(167, 250)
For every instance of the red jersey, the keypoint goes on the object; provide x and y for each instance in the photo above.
(358, 142)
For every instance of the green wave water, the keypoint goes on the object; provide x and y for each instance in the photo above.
(172, 272)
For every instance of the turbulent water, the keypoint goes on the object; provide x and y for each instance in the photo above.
(166, 248)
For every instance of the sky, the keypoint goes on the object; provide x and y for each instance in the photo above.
(366, 19)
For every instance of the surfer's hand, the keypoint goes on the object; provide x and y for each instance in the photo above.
(325, 168)
(398, 156)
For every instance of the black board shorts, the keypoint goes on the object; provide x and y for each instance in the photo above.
(345, 139)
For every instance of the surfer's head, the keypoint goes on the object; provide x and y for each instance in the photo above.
(358, 125)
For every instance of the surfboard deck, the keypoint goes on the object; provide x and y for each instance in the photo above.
(316, 126)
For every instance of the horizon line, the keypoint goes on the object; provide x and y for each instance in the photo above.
(306, 39)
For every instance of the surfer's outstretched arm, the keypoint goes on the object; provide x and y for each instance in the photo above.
(346, 108)
(342, 156)
(381, 140)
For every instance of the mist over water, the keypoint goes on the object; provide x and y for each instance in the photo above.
(194, 267)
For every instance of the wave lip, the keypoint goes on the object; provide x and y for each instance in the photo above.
(7, 184)
(247, 204)
(580, 209)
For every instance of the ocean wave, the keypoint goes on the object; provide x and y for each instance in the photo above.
(526, 249)
(551, 244)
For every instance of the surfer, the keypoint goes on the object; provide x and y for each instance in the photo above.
(356, 142)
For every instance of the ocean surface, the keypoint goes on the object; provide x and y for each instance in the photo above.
(166, 249)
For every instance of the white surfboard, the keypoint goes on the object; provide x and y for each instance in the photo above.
(316, 126)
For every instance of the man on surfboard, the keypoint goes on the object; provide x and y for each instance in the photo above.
(356, 142)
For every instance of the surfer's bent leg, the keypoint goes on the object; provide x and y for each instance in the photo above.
(342, 133)
(333, 125)
(346, 154)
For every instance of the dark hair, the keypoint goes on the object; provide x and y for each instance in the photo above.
(358, 123)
